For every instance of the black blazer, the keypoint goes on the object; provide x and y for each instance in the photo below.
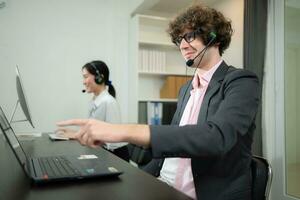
(219, 145)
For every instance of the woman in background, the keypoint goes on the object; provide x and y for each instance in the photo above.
(103, 105)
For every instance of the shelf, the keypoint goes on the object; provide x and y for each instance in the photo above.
(152, 31)
(163, 74)
(157, 100)
(154, 58)
(156, 44)
(153, 20)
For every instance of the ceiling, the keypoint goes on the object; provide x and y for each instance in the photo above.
(173, 6)
(167, 7)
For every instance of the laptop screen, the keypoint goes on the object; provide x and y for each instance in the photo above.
(3, 122)
(12, 139)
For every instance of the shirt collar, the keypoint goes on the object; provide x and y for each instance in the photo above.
(201, 80)
(97, 99)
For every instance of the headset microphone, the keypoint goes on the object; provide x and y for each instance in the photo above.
(83, 91)
(190, 62)
(212, 36)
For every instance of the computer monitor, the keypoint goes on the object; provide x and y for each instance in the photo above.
(22, 99)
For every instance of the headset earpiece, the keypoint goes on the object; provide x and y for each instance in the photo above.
(212, 36)
(99, 78)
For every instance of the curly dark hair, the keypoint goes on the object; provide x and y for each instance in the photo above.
(200, 17)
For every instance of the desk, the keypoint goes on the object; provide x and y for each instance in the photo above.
(133, 184)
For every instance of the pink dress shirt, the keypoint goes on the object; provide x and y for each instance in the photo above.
(181, 171)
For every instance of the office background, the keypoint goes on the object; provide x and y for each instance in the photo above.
(51, 40)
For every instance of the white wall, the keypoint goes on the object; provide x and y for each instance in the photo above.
(234, 10)
(51, 41)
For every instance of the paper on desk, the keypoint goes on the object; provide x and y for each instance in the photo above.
(91, 156)
(29, 134)
(54, 136)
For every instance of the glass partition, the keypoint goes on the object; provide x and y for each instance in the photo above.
(292, 96)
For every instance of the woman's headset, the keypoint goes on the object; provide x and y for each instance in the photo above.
(99, 78)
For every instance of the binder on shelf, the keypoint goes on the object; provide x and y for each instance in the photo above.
(145, 60)
(154, 113)
(140, 60)
(172, 86)
(142, 113)
(169, 88)
(152, 60)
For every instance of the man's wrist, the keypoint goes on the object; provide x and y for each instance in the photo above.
(136, 134)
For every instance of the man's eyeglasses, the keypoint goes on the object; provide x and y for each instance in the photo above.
(188, 37)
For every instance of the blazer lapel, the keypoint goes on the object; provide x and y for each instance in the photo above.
(212, 88)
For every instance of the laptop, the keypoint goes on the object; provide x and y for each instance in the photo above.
(56, 168)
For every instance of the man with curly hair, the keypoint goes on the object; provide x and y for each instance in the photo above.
(206, 151)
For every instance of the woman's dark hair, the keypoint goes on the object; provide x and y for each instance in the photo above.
(103, 71)
(207, 20)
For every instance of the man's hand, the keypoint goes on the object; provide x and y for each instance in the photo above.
(92, 132)
(66, 132)
(95, 133)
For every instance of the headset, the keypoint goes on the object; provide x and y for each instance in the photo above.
(211, 38)
(99, 78)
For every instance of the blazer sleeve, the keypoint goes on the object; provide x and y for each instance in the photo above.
(233, 117)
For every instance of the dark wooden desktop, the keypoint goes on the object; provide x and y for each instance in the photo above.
(133, 184)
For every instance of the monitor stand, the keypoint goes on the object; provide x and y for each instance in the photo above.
(13, 114)
(29, 135)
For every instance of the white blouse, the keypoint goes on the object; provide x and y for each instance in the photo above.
(105, 108)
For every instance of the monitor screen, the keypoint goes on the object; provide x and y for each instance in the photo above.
(22, 97)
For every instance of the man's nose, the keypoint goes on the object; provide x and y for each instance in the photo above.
(184, 44)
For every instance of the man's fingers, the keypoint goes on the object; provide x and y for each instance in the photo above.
(61, 130)
(73, 122)
(97, 143)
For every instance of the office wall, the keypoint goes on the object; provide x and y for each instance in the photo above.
(50, 41)
(234, 54)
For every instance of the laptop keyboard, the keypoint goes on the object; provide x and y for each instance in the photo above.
(57, 167)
